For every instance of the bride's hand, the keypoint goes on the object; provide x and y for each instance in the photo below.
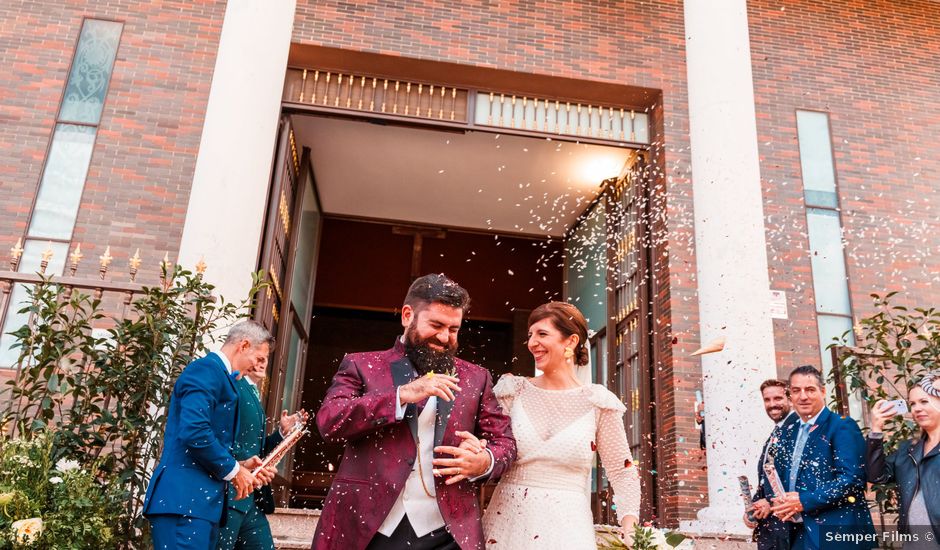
(627, 528)
(470, 442)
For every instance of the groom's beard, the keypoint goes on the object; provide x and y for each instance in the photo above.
(426, 359)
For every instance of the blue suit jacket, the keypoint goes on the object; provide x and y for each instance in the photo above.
(831, 483)
(197, 446)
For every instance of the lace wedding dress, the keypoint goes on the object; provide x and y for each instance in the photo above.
(544, 500)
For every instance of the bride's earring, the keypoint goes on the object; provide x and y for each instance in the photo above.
(569, 353)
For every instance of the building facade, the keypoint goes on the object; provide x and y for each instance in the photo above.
(778, 167)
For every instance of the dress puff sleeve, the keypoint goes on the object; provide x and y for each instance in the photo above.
(506, 390)
(615, 452)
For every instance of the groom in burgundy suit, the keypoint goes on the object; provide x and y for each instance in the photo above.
(407, 416)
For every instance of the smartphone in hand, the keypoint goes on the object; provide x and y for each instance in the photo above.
(896, 406)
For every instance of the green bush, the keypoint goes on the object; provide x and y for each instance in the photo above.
(99, 399)
(73, 508)
(896, 347)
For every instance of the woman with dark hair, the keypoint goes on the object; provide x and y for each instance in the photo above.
(915, 465)
(544, 500)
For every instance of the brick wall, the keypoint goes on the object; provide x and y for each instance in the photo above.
(141, 170)
(633, 43)
(872, 65)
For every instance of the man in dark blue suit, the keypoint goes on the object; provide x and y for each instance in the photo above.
(769, 532)
(821, 465)
(185, 501)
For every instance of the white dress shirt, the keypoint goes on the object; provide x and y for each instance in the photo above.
(777, 426)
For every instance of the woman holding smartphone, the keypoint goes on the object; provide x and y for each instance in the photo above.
(915, 465)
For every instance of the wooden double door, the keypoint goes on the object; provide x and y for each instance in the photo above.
(288, 263)
(608, 276)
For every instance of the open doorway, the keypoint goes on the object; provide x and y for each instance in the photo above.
(498, 213)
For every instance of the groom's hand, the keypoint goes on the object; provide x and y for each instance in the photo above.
(467, 463)
(440, 385)
(244, 483)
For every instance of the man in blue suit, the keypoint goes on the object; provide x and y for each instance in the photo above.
(821, 464)
(769, 532)
(186, 498)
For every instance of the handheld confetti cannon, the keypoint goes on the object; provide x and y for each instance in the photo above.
(746, 497)
(275, 456)
(777, 485)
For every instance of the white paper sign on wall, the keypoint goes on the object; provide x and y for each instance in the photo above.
(778, 304)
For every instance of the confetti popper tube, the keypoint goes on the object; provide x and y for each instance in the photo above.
(777, 485)
(746, 496)
(278, 453)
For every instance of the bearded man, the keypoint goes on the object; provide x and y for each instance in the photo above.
(410, 470)
(769, 532)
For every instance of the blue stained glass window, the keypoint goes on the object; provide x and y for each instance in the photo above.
(91, 71)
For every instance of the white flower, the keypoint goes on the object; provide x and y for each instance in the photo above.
(55, 480)
(66, 466)
(27, 530)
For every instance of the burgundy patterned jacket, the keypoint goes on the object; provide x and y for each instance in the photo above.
(359, 410)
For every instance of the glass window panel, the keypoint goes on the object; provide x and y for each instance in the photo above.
(593, 359)
(91, 71)
(62, 182)
(601, 361)
(287, 396)
(586, 268)
(305, 257)
(29, 263)
(641, 128)
(819, 180)
(831, 330)
(293, 353)
(828, 261)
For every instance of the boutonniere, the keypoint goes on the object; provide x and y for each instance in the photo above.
(450, 372)
(812, 428)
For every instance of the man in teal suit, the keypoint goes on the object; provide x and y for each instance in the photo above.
(246, 527)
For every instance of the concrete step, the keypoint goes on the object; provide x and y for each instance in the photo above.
(293, 529)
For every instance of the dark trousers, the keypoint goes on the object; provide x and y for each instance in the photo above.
(172, 532)
(246, 531)
(772, 534)
(405, 537)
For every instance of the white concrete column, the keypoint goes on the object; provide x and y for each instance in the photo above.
(731, 253)
(230, 183)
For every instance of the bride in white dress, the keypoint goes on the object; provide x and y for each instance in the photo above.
(544, 500)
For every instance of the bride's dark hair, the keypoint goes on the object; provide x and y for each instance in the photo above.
(567, 320)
